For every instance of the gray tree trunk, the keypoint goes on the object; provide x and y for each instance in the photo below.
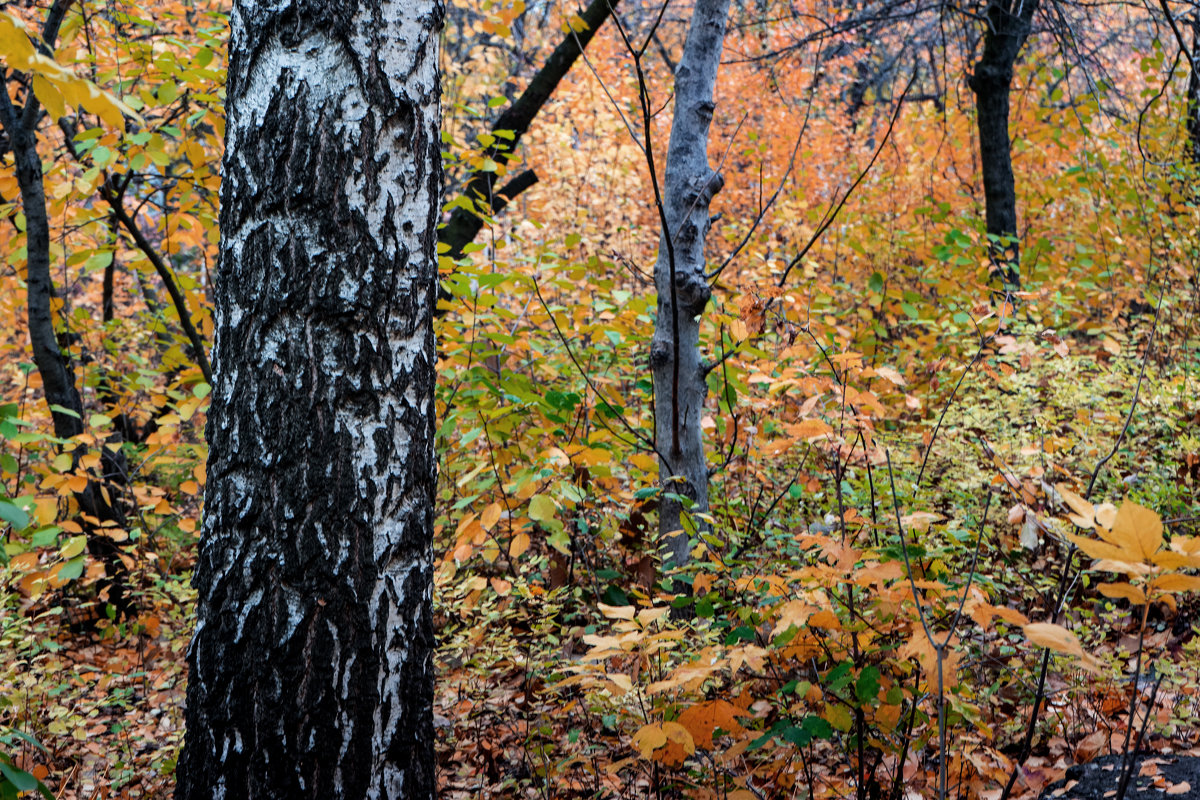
(679, 277)
(310, 674)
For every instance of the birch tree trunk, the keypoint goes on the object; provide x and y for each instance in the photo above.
(679, 277)
(311, 667)
(1009, 23)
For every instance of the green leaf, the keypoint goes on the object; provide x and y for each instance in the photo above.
(21, 780)
(72, 569)
(13, 514)
(819, 728)
(867, 687)
(45, 537)
(560, 541)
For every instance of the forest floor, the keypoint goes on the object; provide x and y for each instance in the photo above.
(106, 705)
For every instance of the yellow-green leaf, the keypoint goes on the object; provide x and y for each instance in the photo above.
(541, 508)
(74, 546)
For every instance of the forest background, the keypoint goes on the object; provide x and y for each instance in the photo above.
(904, 457)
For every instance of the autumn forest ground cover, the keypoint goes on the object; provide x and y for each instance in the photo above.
(911, 475)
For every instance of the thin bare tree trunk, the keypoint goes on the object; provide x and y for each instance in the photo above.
(679, 276)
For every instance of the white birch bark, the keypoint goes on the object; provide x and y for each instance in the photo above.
(311, 667)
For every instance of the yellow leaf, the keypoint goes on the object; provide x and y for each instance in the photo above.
(45, 510)
(1106, 514)
(679, 745)
(809, 429)
(15, 47)
(51, 98)
(919, 520)
(825, 619)
(649, 738)
(24, 562)
(1126, 591)
(1125, 567)
(121, 535)
(621, 681)
(648, 615)
(643, 461)
(1169, 559)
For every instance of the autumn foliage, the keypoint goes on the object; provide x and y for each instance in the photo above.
(949, 530)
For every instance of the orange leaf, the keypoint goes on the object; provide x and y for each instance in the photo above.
(1085, 513)
(1060, 640)
(490, 516)
(24, 561)
(520, 543)
(1102, 550)
(1137, 528)
(1123, 590)
(704, 718)
(825, 619)
(1176, 583)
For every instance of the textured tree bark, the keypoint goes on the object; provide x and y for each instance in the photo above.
(679, 277)
(1009, 25)
(1193, 96)
(311, 668)
(58, 379)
